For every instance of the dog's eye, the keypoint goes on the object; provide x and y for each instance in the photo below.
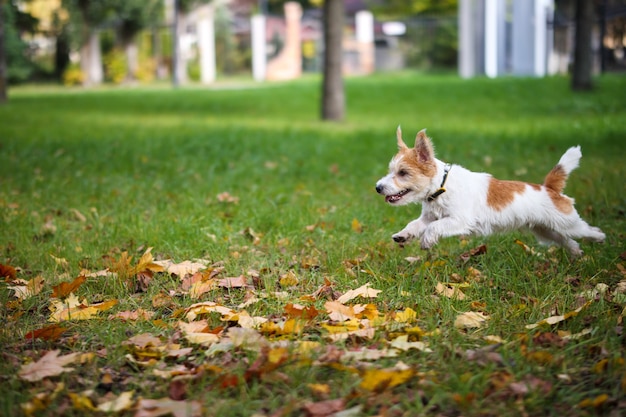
(402, 173)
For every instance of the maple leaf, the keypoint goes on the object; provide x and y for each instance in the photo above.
(166, 406)
(198, 332)
(407, 316)
(184, 268)
(28, 288)
(356, 226)
(51, 364)
(64, 289)
(325, 408)
(363, 291)
(73, 309)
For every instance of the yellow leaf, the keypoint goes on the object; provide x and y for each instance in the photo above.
(449, 291)
(319, 389)
(123, 402)
(289, 279)
(381, 379)
(557, 319)
(407, 316)
(81, 402)
(356, 226)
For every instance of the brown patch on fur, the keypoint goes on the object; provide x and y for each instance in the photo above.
(502, 193)
(410, 162)
(535, 187)
(555, 180)
(563, 203)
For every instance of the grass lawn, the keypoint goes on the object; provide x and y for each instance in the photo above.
(275, 215)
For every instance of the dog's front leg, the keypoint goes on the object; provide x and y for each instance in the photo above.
(413, 230)
(448, 226)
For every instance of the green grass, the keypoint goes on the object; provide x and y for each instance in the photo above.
(144, 167)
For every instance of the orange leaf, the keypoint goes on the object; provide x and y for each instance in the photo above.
(65, 288)
(7, 271)
(51, 333)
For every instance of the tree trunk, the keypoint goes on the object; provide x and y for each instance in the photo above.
(583, 54)
(333, 98)
(3, 61)
(91, 59)
(132, 58)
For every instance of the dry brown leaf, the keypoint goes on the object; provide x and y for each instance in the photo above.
(470, 320)
(449, 291)
(64, 289)
(166, 406)
(52, 332)
(51, 364)
(26, 289)
(363, 291)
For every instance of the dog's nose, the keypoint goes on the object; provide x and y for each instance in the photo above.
(379, 188)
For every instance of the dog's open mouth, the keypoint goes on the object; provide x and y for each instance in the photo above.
(396, 197)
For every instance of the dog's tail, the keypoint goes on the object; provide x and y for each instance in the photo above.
(556, 178)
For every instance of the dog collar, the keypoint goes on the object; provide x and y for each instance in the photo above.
(441, 189)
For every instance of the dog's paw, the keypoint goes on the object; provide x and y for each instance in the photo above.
(402, 238)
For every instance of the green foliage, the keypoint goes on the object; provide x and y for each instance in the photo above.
(19, 63)
(115, 66)
(409, 8)
(431, 43)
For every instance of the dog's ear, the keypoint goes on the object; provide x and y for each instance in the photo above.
(424, 147)
(401, 144)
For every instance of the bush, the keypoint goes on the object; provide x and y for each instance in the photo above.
(115, 66)
(73, 75)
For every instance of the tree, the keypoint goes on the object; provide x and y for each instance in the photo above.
(3, 62)
(583, 54)
(89, 16)
(333, 97)
(132, 17)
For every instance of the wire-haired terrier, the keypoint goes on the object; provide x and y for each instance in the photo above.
(456, 201)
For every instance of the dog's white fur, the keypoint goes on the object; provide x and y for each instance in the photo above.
(476, 203)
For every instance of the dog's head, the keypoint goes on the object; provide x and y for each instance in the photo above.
(411, 171)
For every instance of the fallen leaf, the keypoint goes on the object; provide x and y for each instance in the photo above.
(363, 291)
(402, 343)
(51, 364)
(7, 271)
(52, 332)
(122, 403)
(378, 380)
(557, 319)
(470, 320)
(407, 316)
(139, 314)
(28, 288)
(64, 289)
(479, 250)
(165, 406)
(449, 291)
(325, 408)
(356, 226)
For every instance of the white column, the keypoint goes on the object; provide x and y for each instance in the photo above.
(491, 38)
(206, 44)
(259, 54)
(365, 38)
(467, 65)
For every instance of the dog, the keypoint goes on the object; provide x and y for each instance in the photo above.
(456, 201)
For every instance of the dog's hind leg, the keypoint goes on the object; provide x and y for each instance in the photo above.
(547, 236)
(582, 230)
